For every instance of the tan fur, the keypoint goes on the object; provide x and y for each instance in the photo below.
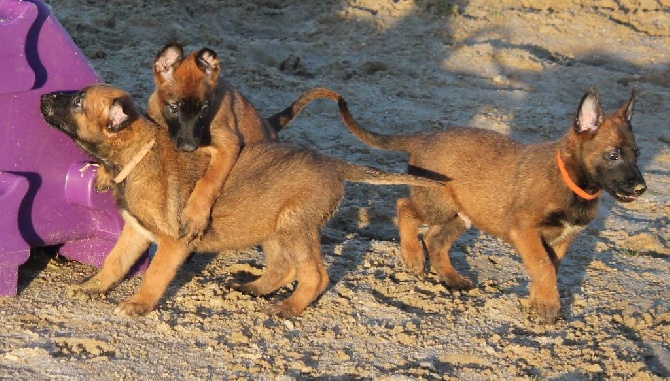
(275, 196)
(236, 122)
(511, 190)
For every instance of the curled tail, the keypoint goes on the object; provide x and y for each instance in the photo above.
(400, 143)
(364, 174)
(279, 120)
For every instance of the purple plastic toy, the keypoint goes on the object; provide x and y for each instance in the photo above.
(46, 188)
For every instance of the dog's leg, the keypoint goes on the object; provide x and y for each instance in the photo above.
(310, 273)
(103, 180)
(223, 154)
(169, 256)
(279, 271)
(438, 241)
(544, 297)
(127, 250)
(559, 250)
(408, 226)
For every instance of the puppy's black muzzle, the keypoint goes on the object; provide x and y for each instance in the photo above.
(631, 188)
(55, 109)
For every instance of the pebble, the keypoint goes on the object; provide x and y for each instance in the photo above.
(289, 325)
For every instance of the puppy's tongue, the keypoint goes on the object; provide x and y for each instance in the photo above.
(627, 198)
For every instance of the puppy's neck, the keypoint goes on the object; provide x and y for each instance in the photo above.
(568, 161)
(134, 161)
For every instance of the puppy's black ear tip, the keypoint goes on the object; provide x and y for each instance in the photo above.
(171, 46)
(174, 45)
(207, 50)
(592, 92)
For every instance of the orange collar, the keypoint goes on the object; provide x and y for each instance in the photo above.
(571, 184)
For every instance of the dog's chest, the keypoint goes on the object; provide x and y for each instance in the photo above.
(557, 235)
(149, 208)
(137, 226)
(558, 226)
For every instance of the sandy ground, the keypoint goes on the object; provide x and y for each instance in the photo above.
(518, 67)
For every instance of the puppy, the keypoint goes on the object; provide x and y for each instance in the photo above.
(275, 196)
(201, 110)
(537, 197)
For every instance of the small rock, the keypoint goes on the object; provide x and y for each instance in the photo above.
(371, 67)
(593, 368)
(400, 277)
(342, 356)
(289, 325)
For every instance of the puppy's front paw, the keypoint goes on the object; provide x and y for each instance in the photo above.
(194, 221)
(131, 308)
(103, 180)
(85, 291)
(414, 263)
(546, 310)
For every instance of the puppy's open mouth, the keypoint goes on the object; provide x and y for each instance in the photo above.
(624, 197)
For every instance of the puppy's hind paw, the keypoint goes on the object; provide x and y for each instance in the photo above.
(282, 309)
(243, 288)
(457, 282)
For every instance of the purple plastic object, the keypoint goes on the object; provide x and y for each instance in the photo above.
(46, 188)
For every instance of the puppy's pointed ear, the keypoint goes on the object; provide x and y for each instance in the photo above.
(626, 110)
(590, 114)
(122, 112)
(167, 60)
(208, 62)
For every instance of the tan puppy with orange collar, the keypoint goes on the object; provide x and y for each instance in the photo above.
(537, 197)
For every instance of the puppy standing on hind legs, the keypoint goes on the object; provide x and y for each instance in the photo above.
(275, 196)
(536, 197)
(200, 110)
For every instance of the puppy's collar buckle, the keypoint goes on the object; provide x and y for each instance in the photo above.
(571, 184)
(134, 161)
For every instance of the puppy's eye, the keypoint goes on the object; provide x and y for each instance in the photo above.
(172, 108)
(77, 102)
(614, 155)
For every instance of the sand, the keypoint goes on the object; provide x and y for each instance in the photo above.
(517, 67)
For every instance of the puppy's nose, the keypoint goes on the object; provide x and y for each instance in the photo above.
(640, 188)
(186, 146)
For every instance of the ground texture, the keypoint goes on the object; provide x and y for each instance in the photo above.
(518, 67)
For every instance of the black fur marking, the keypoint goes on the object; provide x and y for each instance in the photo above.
(427, 173)
(189, 127)
(175, 45)
(580, 214)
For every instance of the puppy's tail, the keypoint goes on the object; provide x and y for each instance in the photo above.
(364, 174)
(400, 143)
(279, 120)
